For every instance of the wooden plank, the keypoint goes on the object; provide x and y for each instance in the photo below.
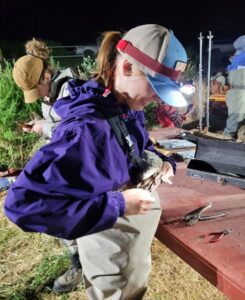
(221, 263)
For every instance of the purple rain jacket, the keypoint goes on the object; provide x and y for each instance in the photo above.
(69, 187)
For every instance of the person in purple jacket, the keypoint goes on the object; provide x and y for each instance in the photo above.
(82, 184)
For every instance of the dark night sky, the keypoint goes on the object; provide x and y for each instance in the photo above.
(78, 22)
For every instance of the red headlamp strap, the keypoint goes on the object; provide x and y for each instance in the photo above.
(147, 61)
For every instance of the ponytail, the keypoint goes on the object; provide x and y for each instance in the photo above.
(37, 48)
(106, 58)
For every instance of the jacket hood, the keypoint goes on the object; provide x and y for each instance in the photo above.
(84, 99)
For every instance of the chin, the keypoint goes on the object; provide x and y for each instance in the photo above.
(140, 109)
(137, 107)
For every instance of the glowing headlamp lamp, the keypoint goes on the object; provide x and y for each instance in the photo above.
(186, 87)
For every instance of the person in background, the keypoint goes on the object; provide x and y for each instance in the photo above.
(218, 84)
(235, 99)
(238, 59)
(169, 117)
(83, 184)
(217, 102)
(38, 79)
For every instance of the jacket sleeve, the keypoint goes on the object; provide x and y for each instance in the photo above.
(238, 61)
(65, 191)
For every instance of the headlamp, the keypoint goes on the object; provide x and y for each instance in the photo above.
(186, 87)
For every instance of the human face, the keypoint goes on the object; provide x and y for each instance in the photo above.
(132, 86)
(215, 87)
(44, 84)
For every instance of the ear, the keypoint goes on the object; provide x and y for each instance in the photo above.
(127, 68)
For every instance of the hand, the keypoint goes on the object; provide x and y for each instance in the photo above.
(35, 126)
(137, 201)
(167, 173)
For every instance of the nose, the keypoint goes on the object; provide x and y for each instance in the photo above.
(46, 80)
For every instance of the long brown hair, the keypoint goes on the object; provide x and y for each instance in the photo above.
(106, 58)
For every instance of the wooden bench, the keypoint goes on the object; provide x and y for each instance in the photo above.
(223, 262)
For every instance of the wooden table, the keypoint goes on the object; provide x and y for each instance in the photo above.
(223, 262)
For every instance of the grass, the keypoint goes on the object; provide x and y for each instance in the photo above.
(15, 145)
(29, 263)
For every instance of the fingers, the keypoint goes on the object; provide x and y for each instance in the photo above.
(37, 126)
(26, 127)
(167, 168)
(166, 179)
(32, 126)
(145, 207)
(137, 201)
(167, 173)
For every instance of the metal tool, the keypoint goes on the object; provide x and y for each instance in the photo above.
(200, 104)
(210, 36)
(217, 236)
(196, 215)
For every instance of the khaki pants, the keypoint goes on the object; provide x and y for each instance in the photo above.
(235, 100)
(117, 262)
